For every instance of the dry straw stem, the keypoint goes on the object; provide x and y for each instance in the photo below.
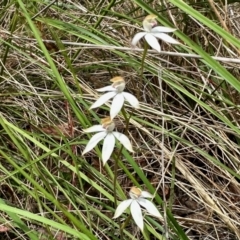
(188, 55)
(130, 49)
(210, 201)
(201, 180)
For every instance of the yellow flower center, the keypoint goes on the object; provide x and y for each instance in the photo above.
(108, 124)
(149, 22)
(135, 192)
(150, 17)
(118, 83)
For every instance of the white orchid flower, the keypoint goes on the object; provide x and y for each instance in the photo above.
(137, 199)
(116, 92)
(106, 133)
(152, 33)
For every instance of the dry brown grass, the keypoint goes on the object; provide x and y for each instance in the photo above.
(182, 148)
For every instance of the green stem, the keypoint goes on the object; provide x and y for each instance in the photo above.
(172, 186)
(116, 158)
(143, 57)
(127, 119)
(126, 222)
(115, 180)
(142, 65)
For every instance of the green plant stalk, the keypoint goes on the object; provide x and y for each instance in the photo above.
(72, 218)
(116, 158)
(173, 223)
(30, 193)
(56, 225)
(171, 197)
(115, 176)
(127, 119)
(53, 154)
(144, 232)
(21, 224)
(126, 222)
(83, 194)
(146, 47)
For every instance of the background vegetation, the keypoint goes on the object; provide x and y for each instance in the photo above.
(186, 135)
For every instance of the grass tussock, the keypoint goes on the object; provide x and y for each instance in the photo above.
(185, 135)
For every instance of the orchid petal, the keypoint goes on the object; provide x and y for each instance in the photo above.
(137, 37)
(153, 42)
(95, 128)
(108, 146)
(163, 29)
(103, 99)
(166, 38)
(94, 141)
(131, 99)
(145, 194)
(122, 207)
(150, 207)
(124, 141)
(117, 104)
(137, 214)
(106, 89)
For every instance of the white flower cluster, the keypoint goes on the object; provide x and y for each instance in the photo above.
(105, 130)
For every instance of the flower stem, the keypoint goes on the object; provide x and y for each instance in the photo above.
(126, 222)
(143, 57)
(127, 119)
(142, 64)
(115, 179)
(116, 158)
